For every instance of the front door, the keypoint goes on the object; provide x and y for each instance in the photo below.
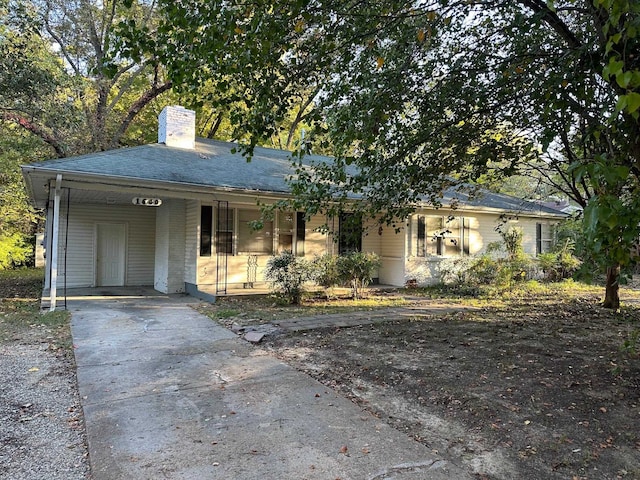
(110, 250)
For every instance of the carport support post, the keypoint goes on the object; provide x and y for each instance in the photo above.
(54, 244)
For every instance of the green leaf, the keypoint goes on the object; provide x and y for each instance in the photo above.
(615, 66)
(624, 79)
(632, 102)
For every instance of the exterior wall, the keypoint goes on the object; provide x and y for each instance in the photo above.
(80, 239)
(163, 246)
(241, 269)
(482, 232)
(371, 242)
(316, 243)
(192, 240)
(392, 253)
(170, 247)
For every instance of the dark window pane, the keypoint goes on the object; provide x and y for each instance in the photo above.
(206, 217)
(300, 233)
(350, 233)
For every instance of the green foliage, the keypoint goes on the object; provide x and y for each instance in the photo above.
(289, 273)
(502, 265)
(18, 218)
(14, 251)
(611, 224)
(560, 264)
(326, 270)
(483, 270)
(356, 269)
(410, 106)
(512, 240)
(457, 270)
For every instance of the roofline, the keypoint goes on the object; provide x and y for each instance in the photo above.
(134, 182)
(481, 209)
(117, 180)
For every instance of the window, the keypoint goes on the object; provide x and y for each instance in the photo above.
(224, 230)
(206, 217)
(452, 236)
(300, 233)
(544, 237)
(286, 222)
(442, 236)
(254, 241)
(434, 236)
(349, 233)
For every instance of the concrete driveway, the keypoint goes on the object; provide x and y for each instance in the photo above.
(168, 393)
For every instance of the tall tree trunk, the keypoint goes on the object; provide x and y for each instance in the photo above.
(612, 288)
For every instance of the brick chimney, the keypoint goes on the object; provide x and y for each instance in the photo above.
(177, 127)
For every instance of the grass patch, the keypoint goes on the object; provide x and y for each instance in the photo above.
(256, 309)
(484, 295)
(22, 283)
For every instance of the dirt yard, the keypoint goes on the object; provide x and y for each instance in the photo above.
(530, 387)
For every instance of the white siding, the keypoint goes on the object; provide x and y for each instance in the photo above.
(80, 242)
(371, 239)
(392, 253)
(484, 230)
(316, 243)
(192, 241)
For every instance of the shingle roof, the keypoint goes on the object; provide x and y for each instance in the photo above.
(212, 164)
(487, 199)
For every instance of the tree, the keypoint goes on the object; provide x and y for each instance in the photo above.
(415, 97)
(67, 78)
(17, 218)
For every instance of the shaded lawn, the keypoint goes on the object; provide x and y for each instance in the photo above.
(535, 384)
(259, 309)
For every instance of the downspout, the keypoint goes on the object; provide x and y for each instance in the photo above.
(54, 243)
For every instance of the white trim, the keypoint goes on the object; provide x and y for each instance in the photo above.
(54, 244)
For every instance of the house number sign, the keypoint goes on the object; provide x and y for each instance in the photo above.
(147, 202)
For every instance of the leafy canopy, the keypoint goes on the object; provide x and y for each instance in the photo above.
(419, 96)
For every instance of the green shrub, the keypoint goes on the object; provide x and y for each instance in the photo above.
(512, 239)
(503, 264)
(289, 274)
(483, 270)
(356, 269)
(561, 264)
(325, 271)
(456, 270)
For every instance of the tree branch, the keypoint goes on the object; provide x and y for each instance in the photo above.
(36, 130)
(135, 109)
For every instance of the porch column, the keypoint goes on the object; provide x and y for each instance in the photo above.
(170, 247)
(54, 244)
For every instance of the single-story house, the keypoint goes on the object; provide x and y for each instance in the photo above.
(176, 215)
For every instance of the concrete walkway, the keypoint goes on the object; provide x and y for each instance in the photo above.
(167, 393)
(422, 307)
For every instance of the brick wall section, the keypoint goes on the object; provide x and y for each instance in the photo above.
(177, 127)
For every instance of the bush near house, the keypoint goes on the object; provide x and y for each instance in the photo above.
(505, 263)
(289, 274)
(561, 263)
(326, 272)
(356, 269)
